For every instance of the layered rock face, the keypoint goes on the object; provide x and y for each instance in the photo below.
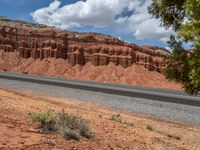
(40, 42)
(33, 44)
(101, 55)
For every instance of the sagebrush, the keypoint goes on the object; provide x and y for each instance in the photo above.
(69, 125)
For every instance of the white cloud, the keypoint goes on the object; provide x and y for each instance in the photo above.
(102, 13)
(134, 4)
(43, 15)
(142, 25)
(149, 29)
(98, 13)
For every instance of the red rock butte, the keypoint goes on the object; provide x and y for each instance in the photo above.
(39, 42)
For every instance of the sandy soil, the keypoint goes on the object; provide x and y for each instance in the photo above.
(18, 132)
(134, 75)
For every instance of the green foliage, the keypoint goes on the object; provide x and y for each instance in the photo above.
(175, 44)
(178, 63)
(50, 142)
(116, 117)
(190, 29)
(190, 32)
(68, 122)
(86, 132)
(69, 125)
(183, 16)
(69, 134)
(194, 74)
(46, 120)
(128, 123)
(149, 127)
(170, 12)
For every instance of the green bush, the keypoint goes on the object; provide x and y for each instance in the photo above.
(69, 125)
(69, 134)
(46, 120)
(73, 123)
(49, 142)
(116, 117)
(149, 127)
(85, 131)
(128, 123)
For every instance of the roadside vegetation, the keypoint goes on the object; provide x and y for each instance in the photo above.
(68, 125)
(182, 16)
(149, 127)
(118, 118)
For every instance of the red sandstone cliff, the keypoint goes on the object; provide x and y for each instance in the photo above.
(39, 42)
(39, 49)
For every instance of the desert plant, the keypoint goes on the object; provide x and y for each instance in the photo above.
(70, 122)
(46, 119)
(49, 142)
(69, 125)
(69, 134)
(116, 117)
(128, 123)
(85, 131)
(182, 16)
(149, 127)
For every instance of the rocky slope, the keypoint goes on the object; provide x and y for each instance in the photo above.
(39, 49)
(39, 41)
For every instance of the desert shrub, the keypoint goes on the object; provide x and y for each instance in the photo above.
(69, 134)
(49, 142)
(70, 122)
(85, 131)
(116, 117)
(128, 123)
(149, 127)
(69, 125)
(46, 120)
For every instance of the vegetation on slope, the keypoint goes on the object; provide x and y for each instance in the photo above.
(183, 17)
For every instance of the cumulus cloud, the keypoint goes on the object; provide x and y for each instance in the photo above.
(43, 15)
(150, 29)
(102, 14)
(142, 25)
(98, 13)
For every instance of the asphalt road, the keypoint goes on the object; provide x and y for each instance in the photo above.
(134, 103)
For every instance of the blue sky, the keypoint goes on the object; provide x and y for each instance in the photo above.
(126, 19)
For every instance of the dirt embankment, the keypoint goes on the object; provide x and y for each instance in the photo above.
(135, 133)
(134, 75)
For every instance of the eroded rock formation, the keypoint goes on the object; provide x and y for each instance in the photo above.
(40, 42)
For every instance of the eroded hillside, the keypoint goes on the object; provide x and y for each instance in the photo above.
(43, 50)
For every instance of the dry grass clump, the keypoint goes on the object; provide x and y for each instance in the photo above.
(69, 125)
(118, 118)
